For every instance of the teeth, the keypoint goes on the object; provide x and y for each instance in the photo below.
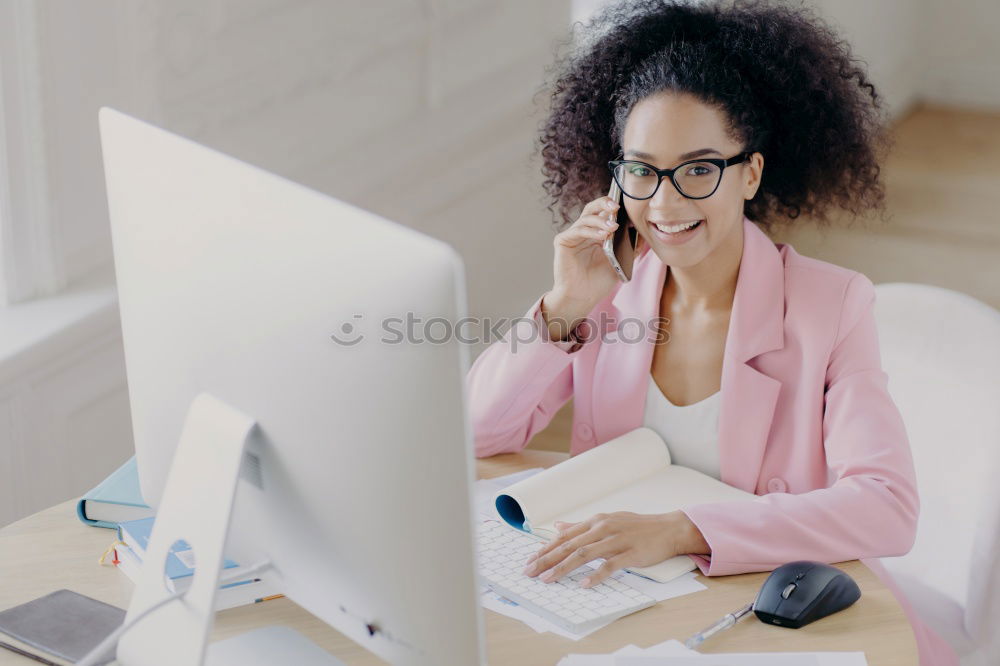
(674, 230)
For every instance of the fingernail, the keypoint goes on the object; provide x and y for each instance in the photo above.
(529, 571)
(585, 582)
(609, 204)
(547, 577)
(609, 223)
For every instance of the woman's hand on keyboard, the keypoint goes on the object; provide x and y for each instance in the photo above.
(623, 539)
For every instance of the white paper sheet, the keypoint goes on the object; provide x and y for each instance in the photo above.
(673, 653)
(779, 659)
(672, 647)
(745, 659)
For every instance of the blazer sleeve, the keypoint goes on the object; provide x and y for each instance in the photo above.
(517, 384)
(871, 508)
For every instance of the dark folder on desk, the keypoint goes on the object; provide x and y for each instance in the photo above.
(62, 626)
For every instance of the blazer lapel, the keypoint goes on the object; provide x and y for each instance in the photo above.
(621, 372)
(756, 326)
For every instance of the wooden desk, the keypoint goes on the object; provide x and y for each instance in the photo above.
(52, 550)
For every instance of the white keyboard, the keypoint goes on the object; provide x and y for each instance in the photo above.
(503, 552)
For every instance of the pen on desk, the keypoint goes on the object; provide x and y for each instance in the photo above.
(273, 596)
(729, 620)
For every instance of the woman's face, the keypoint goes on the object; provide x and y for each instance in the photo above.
(660, 131)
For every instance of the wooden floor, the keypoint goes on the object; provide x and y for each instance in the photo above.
(943, 201)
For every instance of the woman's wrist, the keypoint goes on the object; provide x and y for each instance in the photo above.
(690, 540)
(561, 316)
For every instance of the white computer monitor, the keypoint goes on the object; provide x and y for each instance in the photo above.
(234, 283)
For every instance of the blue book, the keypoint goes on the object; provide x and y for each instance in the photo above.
(179, 569)
(115, 499)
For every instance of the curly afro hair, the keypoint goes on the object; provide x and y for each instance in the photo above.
(783, 78)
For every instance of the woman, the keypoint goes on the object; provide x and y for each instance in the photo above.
(757, 365)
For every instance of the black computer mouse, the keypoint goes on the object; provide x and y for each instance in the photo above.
(798, 593)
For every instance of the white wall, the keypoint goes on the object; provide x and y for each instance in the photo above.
(64, 418)
(884, 35)
(928, 50)
(436, 96)
(961, 56)
(83, 65)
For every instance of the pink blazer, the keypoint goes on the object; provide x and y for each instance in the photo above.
(806, 420)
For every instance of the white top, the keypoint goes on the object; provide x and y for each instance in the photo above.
(691, 431)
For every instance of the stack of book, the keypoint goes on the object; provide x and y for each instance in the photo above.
(117, 503)
(134, 537)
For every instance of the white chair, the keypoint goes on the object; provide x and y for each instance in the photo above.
(941, 351)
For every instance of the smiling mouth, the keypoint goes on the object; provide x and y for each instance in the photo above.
(676, 229)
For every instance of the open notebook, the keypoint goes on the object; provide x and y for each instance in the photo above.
(629, 473)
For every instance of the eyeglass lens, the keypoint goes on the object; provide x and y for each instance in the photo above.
(695, 179)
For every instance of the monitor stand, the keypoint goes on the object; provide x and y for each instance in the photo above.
(196, 506)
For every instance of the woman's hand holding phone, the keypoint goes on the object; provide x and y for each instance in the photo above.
(582, 274)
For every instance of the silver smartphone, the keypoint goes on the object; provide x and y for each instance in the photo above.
(619, 247)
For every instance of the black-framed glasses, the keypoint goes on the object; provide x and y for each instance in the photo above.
(695, 179)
